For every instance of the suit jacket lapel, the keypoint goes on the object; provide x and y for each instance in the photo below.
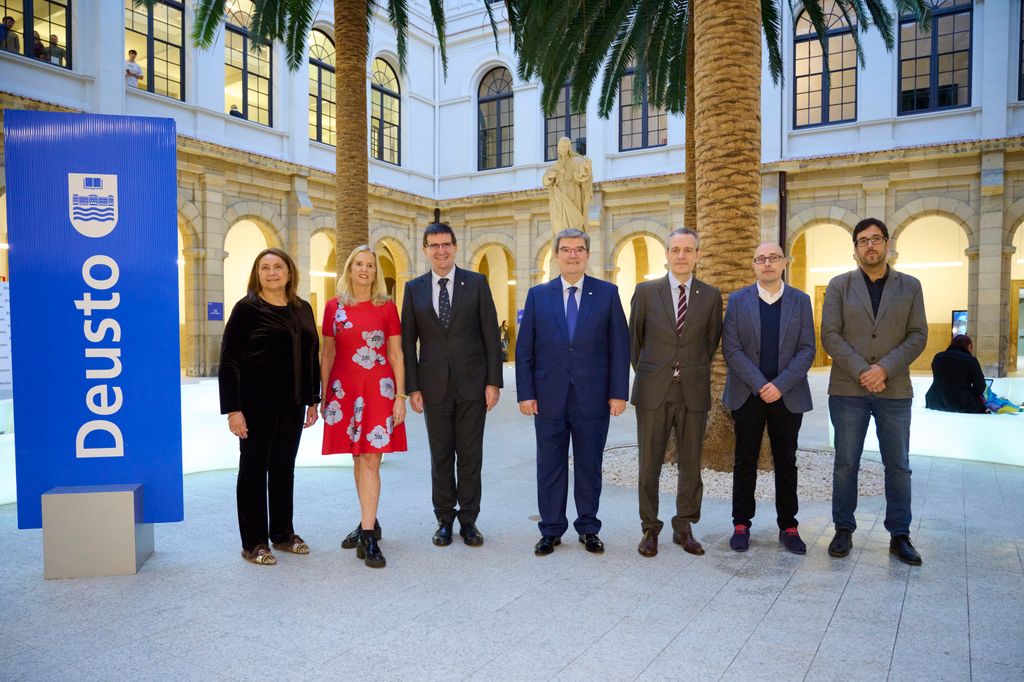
(788, 303)
(458, 292)
(586, 303)
(426, 298)
(665, 294)
(887, 294)
(860, 289)
(753, 306)
(693, 302)
(557, 308)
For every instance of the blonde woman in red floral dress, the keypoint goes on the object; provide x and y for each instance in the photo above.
(363, 377)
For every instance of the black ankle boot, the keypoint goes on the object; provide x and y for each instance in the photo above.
(369, 550)
(352, 539)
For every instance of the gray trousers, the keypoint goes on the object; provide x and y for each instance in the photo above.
(653, 427)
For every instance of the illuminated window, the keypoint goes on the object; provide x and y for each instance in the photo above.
(495, 132)
(248, 72)
(385, 113)
(321, 88)
(935, 65)
(49, 40)
(158, 36)
(826, 82)
(641, 125)
(564, 124)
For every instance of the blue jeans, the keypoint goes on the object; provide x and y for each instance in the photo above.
(850, 416)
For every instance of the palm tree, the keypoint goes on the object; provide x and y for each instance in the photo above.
(289, 22)
(701, 53)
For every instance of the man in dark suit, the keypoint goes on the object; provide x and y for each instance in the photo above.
(873, 325)
(454, 377)
(768, 343)
(675, 325)
(572, 372)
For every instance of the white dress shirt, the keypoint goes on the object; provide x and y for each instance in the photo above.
(674, 283)
(435, 289)
(565, 293)
(769, 297)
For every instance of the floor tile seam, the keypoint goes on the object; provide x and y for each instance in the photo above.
(700, 611)
(835, 608)
(585, 649)
(896, 636)
(761, 620)
(967, 591)
(627, 615)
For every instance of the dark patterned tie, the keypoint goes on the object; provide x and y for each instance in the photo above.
(444, 304)
(572, 311)
(681, 309)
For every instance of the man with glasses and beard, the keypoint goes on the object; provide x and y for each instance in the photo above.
(873, 325)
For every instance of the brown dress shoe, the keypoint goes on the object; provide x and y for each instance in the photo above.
(689, 543)
(649, 545)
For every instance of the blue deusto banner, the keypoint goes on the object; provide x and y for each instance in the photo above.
(92, 227)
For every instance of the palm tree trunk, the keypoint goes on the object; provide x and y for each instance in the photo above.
(727, 84)
(690, 113)
(351, 180)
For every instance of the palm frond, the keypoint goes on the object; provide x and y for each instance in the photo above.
(209, 17)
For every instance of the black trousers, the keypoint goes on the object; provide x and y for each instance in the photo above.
(455, 431)
(267, 465)
(783, 429)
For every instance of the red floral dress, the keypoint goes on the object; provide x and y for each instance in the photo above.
(360, 394)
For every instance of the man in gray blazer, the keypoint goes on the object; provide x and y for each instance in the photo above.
(675, 325)
(768, 343)
(873, 325)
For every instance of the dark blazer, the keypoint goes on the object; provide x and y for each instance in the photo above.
(469, 351)
(595, 361)
(656, 348)
(958, 384)
(269, 358)
(741, 345)
(856, 338)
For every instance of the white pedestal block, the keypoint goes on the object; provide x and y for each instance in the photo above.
(94, 530)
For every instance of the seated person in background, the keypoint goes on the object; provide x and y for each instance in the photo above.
(958, 384)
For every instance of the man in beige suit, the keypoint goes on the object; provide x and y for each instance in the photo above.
(675, 325)
(873, 325)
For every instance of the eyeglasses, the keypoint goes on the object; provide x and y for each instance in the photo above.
(572, 250)
(873, 241)
(772, 258)
(442, 245)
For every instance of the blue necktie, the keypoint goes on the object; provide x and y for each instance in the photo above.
(572, 311)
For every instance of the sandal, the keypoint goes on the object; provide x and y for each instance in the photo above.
(260, 554)
(296, 545)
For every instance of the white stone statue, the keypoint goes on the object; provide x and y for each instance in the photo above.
(570, 185)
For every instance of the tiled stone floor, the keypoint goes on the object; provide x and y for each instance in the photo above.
(197, 611)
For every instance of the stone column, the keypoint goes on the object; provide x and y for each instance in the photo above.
(990, 341)
(210, 202)
(195, 312)
(770, 207)
(299, 228)
(877, 202)
(525, 246)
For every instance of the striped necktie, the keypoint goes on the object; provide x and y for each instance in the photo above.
(681, 309)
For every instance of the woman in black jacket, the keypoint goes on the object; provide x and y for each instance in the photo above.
(958, 384)
(270, 389)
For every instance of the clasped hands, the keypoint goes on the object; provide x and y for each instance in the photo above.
(615, 407)
(874, 378)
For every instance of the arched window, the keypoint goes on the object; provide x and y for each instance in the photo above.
(494, 120)
(321, 87)
(564, 123)
(385, 113)
(935, 65)
(641, 125)
(248, 68)
(826, 84)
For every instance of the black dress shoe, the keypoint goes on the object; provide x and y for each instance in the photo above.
(592, 542)
(902, 549)
(546, 545)
(841, 544)
(471, 535)
(443, 534)
(352, 539)
(369, 551)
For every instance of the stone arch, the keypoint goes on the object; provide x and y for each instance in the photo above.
(188, 221)
(622, 236)
(1014, 218)
(263, 215)
(817, 215)
(479, 243)
(541, 255)
(471, 86)
(957, 211)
